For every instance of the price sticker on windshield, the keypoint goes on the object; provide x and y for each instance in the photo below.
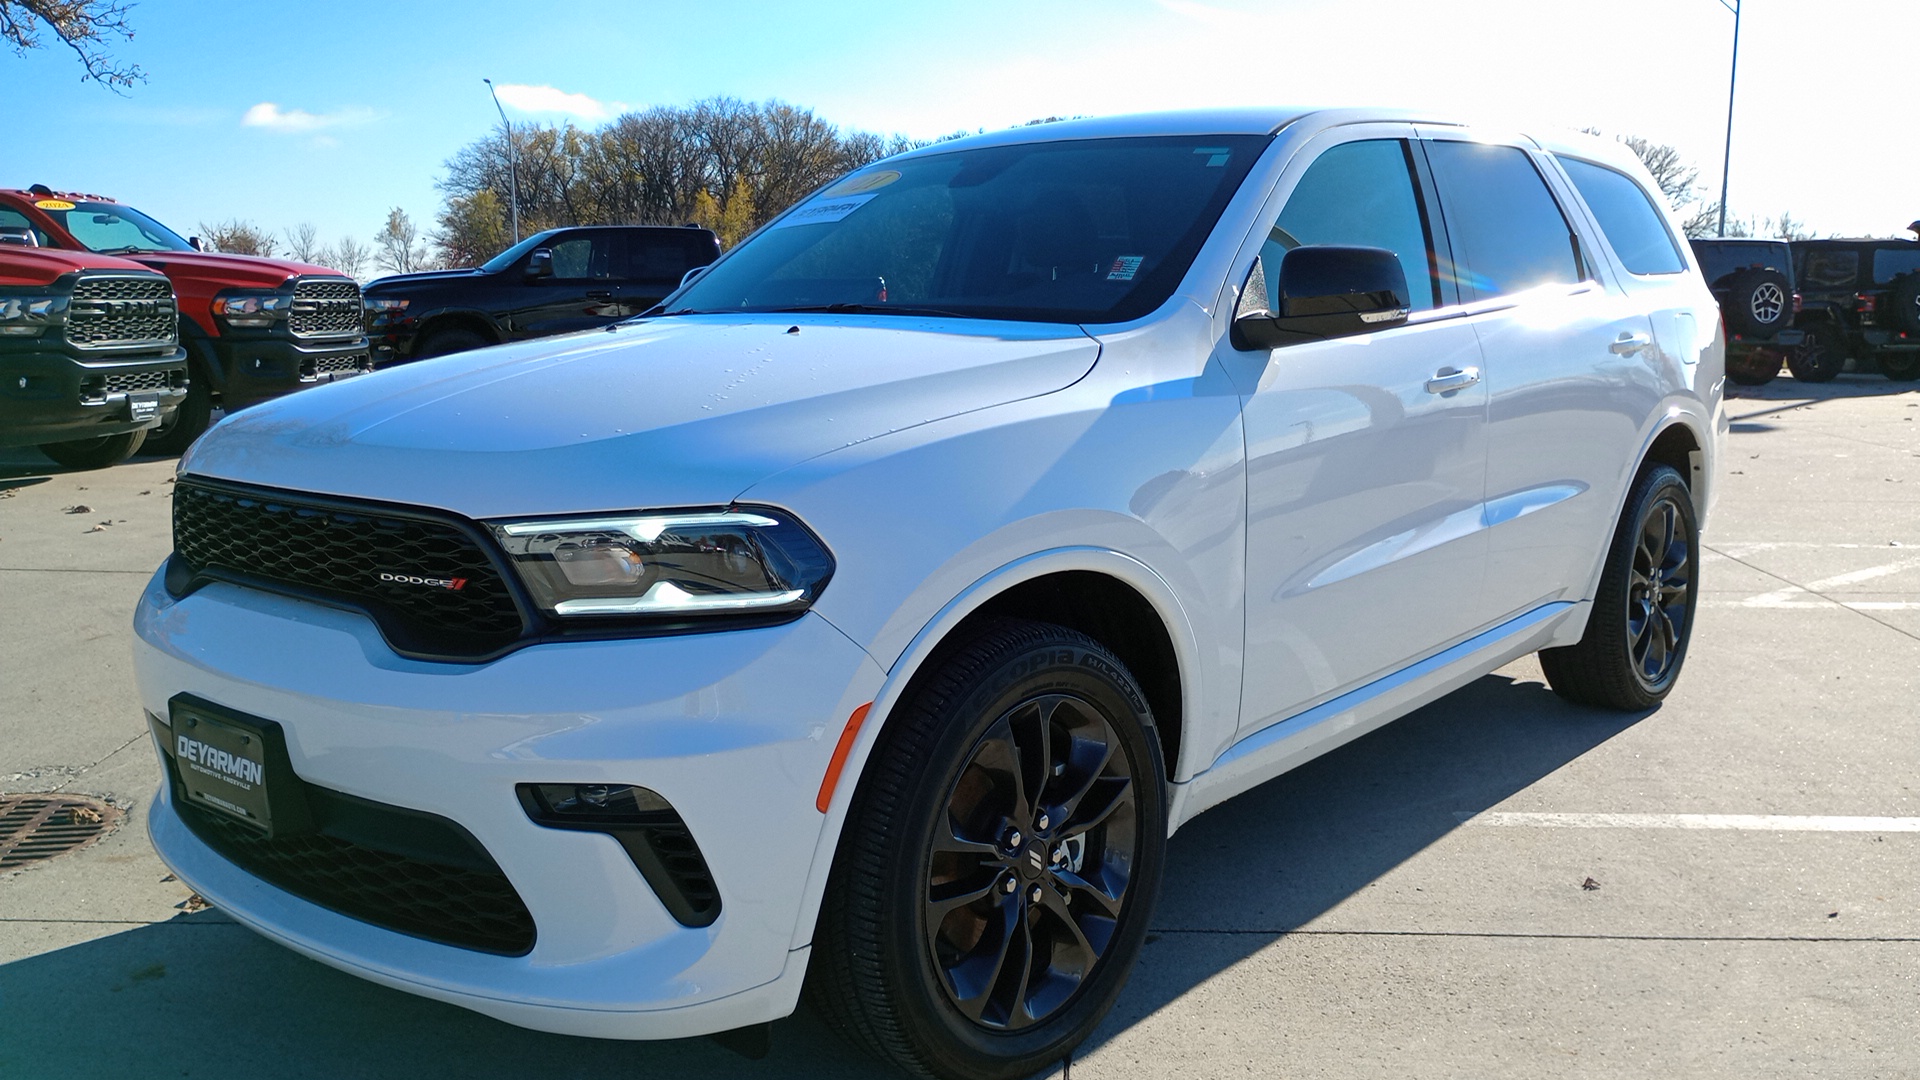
(54, 204)
(825, 209)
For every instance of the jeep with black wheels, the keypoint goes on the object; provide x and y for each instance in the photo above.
(90, 357)
(254, 328)
(1753, 282)
(1862, 300)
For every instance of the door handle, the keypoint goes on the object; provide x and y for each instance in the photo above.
(602, 294)
(1447, 380)
(1629, 343)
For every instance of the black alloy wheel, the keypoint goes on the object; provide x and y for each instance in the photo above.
(999, 862)
(1642, 617)
(1822, 355)
(1900, 366)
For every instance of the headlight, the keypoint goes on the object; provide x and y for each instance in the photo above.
(27, 314)
(379, 305)
(247, 307)
(742, 561)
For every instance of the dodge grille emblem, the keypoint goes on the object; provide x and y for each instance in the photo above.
(453, 583)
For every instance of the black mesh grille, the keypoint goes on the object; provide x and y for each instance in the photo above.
(325, 307)
(109, 311)
(133, 382)
(333, 365)
(455, 905)
(427, 582)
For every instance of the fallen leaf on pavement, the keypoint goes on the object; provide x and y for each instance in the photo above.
(1589, 885)
(78, 508)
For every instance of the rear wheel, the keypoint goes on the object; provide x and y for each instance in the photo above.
(95, 453)
(1000, 861)
(1822, 355)
(1903, 304)
(1900, 366)
(1752, 367)
(1642, 617)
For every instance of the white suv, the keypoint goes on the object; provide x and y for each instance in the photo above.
(875, 610)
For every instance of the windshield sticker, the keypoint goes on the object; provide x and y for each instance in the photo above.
(1125, 267)
(823, 210)
(54, 204)
(1216, 155)
(865, 182)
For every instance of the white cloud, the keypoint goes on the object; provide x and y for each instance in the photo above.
(272, 117)
(547, 99)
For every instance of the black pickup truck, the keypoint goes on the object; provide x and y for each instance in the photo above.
(552, 282)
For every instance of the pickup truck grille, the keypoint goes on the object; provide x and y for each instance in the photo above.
(326, 307)
(429, 582)
(134, 382)
(114, 311)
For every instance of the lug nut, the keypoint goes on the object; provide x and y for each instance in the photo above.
(1033, 894)
(1043, 823)
(1008, 886)
(1014, 839)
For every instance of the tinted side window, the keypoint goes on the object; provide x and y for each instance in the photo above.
(1627, 215)
(1359, 194)
(1507, 230)
(581, 256)
(1891, 263)
(666, 258)
(1830, 268)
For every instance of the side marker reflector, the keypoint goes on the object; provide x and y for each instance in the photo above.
(839, 761)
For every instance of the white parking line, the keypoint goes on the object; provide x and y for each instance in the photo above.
(1745, 822)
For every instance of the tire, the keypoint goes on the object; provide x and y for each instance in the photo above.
(1642, 618)
(453, 339)
(1900, 366)
(1822, 356)
(175, 434)
(1759, 303)
(95, 453)
(1752, 367)
(1903, 302)
(917, 926)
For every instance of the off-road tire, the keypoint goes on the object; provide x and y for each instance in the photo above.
(96, 453)
(452, 339)
(1759, 303)
(879, 974)
(1822, 355)
(189, 420)
(1753, 367)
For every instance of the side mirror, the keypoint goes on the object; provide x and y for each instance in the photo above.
(198, 244)
(1321, 291)
(540, 263)
(19, 235)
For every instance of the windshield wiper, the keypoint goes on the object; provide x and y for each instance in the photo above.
(130, 249)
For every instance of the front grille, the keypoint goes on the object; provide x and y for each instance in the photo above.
(326, 307)
(334, 365)
(113, 311)
(134, 382)
(471, 906)
(357, 555)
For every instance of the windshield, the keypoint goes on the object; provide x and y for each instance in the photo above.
(1069, 232)
(506, 258)
(112, 229)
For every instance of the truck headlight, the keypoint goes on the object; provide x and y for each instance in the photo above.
(251, 307)
(23, 315)
(739, 561)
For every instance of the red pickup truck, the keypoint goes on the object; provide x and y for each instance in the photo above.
(90, 360)
(253, 328)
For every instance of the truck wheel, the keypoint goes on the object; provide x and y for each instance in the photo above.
(1642, 617)
(1821, 356)
(95, 453)
(451, 340)
(1901, 366)
(1759, 303)
(177, 432)
(999, 862)
(1753, 367)
(1904, 302)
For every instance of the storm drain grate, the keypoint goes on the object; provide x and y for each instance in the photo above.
(37, 827)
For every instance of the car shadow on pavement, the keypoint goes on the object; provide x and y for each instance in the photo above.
(200, 995)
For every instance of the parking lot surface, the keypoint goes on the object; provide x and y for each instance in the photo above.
(1500, 885)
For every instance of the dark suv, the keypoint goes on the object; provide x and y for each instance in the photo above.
(1753, 282)
(550, 283)
(1863, 301)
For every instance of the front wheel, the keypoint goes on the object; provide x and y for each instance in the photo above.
(1000, 861)
(178, 431)
(1637, 633)
(95, 453)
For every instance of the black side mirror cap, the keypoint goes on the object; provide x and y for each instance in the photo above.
(198, 244)
(1321, 291)
(540, 263)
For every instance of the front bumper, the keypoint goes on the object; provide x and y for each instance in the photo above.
(735, 729)
(262, 366)
(51, 396)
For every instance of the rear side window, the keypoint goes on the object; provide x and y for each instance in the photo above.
(1508, 232)
(1889, 264)
(13, 219)
(1359, 194)
(1627, 215)
(1830, 268)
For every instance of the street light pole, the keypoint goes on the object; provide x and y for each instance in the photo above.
(1726, 162)
(513, 171)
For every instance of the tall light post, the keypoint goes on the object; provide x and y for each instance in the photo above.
(513, 171)
(1726, 162)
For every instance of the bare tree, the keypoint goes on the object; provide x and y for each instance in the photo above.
(397, 247)
(82, 25)
(303, 243)
(238, 237)
(349, 256)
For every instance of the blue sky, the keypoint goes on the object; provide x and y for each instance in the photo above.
(281, 114)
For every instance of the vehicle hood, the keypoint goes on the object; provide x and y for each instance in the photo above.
(229, 271)
(30, 266)
(685, 411)
(405, 282)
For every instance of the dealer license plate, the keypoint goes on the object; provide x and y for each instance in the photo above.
(223, 765)
(143, 406)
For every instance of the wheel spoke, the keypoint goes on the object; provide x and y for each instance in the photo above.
(1029, 736)
(1103, 797)
(1088, 774)
(1087, 889)
(979, 973)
